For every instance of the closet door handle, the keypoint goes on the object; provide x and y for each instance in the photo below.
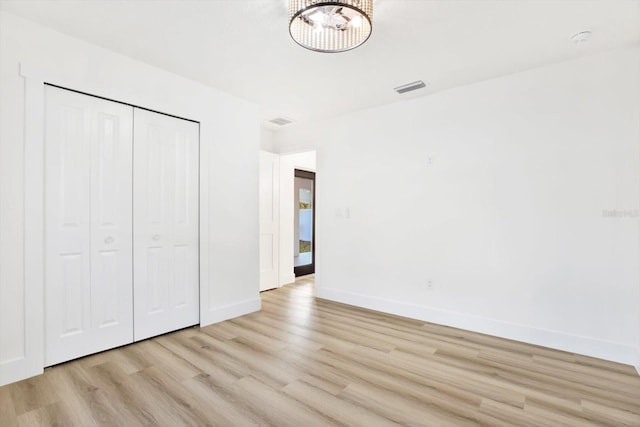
(156, 237)
(109, 240)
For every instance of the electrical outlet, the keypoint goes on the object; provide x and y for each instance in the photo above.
(429, 285)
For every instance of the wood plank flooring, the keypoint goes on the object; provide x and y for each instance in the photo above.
(303, 362)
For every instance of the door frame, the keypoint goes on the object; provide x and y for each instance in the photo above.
(303, 270)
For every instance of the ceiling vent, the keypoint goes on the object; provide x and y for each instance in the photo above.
(280, 121)
(410, 86)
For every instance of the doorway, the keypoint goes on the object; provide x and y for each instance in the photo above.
(305, 222)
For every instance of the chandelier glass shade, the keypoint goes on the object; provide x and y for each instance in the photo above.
(330, 26)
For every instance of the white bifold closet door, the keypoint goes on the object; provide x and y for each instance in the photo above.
(88, 225)
(121, 227)
(165, 212)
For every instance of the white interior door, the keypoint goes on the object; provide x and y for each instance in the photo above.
(269, 219)
(88, 225)
(166, 280)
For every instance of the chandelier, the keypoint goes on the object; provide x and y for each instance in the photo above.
(330, 26)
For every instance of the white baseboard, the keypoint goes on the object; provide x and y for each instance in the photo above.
(18, 369)
(219, 314)
(637, 366)
(547, 338)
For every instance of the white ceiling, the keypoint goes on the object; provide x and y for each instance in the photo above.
(243, 46)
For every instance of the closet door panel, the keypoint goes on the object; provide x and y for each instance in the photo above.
(88, 249)
(166, 283)
(67, 221)
(112, 217)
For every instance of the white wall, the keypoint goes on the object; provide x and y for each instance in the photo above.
(229, 175)
(495, 193)
(288, 163)
(267, 140)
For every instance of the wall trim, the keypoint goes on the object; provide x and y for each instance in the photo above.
(32, 360)
(17, 369)
(611, 351)
(226, 312)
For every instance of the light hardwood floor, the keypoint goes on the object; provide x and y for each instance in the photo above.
(304, 362)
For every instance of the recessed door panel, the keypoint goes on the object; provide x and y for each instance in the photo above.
(107, 169)
(73, 267)
(155, 182)
(107, 289)
(183, 273)
(73, 150)
(181, 168)
(166, 288)
(156, 281)
(88, 226)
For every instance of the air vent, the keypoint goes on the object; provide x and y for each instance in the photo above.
(280, 121)
(410, 86)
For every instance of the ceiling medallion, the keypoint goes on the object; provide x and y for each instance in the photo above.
(330, 26)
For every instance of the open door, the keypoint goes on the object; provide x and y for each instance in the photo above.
(269, 220)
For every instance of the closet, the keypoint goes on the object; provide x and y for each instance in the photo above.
(121, 224)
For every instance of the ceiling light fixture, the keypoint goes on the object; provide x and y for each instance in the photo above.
(330, 26)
